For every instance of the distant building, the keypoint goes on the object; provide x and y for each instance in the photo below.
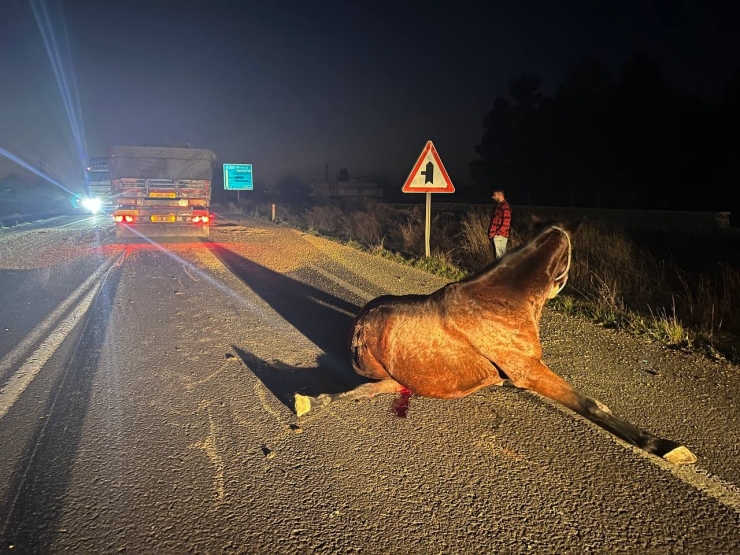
(352, 187)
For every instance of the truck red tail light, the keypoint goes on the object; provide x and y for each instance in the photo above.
(201, 219)
(118, 219)
(128, 219)
(205, 219)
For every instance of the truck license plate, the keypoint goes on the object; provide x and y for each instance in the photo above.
(162, 195)
(163, 218)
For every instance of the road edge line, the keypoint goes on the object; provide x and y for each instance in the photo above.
(726, 493)
(21, 378)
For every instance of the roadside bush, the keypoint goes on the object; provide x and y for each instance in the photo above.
(408, 232)
(326, 219)
(445, 231)
(474, 247)
(367, 228)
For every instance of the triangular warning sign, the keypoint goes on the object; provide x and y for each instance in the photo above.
(429, 174)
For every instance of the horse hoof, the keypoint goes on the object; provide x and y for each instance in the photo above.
(302, 404)
(680, 456)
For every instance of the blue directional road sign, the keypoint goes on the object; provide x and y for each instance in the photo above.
(238, 177)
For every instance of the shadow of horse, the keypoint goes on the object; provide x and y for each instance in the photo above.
(321, 317)
(476, 333)
(283, 379)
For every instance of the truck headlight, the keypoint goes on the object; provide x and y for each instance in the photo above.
(92, 204)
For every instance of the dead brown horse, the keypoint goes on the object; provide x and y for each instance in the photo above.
(475, 333)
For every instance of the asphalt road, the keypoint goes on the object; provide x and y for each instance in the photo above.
(146, 406)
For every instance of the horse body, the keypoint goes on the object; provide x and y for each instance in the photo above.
(475, 333)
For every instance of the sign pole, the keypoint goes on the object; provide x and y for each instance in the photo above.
(428, 176)
(428, 224)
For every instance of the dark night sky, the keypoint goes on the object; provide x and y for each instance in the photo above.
(292, 85)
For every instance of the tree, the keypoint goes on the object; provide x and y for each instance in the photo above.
(343, 175)
(575, 158)
(510, 140)
(634, 142)
(723, 144)
(489, 169)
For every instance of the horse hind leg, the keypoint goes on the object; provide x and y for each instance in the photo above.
(545, 382)
(305, 404)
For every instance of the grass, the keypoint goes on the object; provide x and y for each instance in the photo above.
(669, 329)
(616, 280)
(438, 263)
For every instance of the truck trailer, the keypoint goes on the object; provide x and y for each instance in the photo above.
(161, 191)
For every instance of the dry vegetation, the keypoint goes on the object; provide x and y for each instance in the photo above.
(616, 280)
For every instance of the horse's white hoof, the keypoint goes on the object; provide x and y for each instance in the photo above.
(302, 404)
(680, 456)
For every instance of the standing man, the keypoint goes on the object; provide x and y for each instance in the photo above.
(498, 232)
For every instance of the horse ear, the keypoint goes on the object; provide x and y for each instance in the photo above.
(535, 223)
(573, 227)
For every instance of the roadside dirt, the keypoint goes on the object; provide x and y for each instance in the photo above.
(686, 397)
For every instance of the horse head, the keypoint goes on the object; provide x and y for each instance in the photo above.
(539, 268)
(552, 243)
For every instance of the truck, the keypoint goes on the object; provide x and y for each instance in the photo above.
(161, 191)
(98, 195)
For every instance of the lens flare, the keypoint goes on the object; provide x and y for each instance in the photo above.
(92, 204)
(74, 115)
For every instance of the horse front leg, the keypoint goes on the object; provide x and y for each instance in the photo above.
(541, 379)
(305, 404)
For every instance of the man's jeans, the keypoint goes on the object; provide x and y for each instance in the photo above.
(498, 246)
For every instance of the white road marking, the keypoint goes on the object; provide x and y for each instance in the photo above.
(87, 219)
(13, 358)
(23, 227)
(724, 492)
(19, 381)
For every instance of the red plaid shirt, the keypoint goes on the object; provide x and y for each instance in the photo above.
(500, 220)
